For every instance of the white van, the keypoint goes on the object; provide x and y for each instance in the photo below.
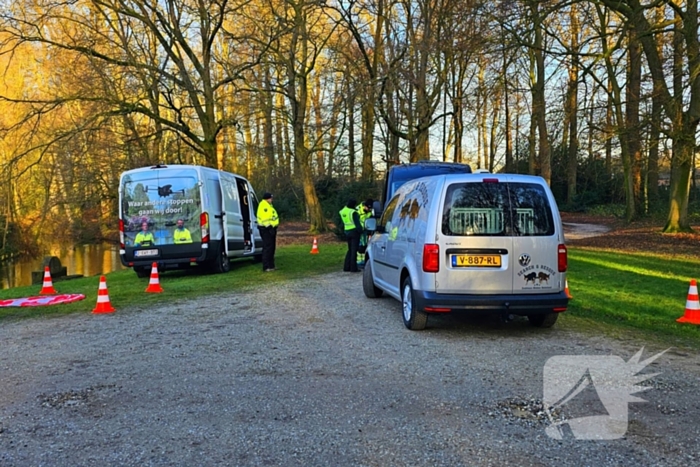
(470, 242)
(218, 209)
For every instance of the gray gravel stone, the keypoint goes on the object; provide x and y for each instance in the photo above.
(313, 373)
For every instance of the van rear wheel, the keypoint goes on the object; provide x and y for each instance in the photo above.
(142, 272)
(221, 263)
(413, 318)
(371, 290)
(546, 320)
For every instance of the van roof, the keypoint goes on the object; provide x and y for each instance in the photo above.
(426, 168)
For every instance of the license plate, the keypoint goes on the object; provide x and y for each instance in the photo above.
(480, 261)
(142, 253)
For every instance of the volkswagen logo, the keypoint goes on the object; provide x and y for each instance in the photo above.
(524, 259)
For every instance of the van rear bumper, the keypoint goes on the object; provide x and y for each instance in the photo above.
(516, 304)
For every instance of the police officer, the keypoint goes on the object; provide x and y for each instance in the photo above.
(351, 225)
(267, 225)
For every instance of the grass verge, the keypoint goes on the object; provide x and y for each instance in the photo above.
(621, 293)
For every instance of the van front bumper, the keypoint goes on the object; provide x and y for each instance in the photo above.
(518, 304)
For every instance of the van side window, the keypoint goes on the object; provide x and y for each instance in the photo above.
(530, 210)
(389, 211)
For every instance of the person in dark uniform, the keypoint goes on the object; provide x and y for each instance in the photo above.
(351, 225)
(267, 225)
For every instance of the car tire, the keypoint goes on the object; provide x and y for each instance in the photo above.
(413, 318)
(221, 263)
(546, 320)
(142, 272)
(371, 290)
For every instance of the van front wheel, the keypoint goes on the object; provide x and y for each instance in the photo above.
(371, 290)
(543, 321)
(413, 318)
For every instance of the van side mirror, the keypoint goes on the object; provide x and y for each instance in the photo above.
(371, 224)
(377, 209)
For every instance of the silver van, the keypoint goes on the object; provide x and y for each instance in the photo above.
(470, 242)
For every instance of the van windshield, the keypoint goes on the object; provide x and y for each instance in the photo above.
(497, 209)
(161, 207)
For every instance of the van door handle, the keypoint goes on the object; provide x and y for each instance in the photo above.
(383, 247)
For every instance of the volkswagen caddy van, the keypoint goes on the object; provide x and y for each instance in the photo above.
(486, 243)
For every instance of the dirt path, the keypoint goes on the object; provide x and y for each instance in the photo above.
(576, 231)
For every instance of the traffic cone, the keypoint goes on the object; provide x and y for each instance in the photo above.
(153, 284)
(47, 288)
(692, 306)
(314, 249)
(566, 289)
(103, 304)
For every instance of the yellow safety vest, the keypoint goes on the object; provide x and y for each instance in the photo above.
(363, 215)
(142, 238)
(346, 215)
(267, 216)
(182, 236)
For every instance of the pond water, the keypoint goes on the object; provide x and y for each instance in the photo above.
(88, 260)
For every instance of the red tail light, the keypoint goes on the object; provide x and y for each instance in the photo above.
(204, 224)
(121, 234)
(431, 257)
(562, 260)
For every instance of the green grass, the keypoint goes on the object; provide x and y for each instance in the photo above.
(614, 293)
(625, 292)
(128, 291)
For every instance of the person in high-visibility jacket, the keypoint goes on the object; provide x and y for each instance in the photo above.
(352, 228)
(144, 238)
(182, 234)
(267, 225)
(365, 212)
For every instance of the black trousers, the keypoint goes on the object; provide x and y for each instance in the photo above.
(269, 243)
(353, 237)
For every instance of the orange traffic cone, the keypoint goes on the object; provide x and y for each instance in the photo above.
(47, 287)
(153, 284)
(103, 304)
(314, 249)
(692, 306)
(566, 289)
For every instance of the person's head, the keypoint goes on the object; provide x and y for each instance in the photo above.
(352, 203)
(144, 226)
(180, 223)
(368, 204)
(268, 197)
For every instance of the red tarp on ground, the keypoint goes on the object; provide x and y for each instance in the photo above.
(43, 300)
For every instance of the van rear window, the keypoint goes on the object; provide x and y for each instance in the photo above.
(159, 200)
(497, 209)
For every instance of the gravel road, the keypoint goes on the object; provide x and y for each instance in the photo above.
(314, 374)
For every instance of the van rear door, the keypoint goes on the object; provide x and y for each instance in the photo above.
(475, 243)
(535, 239)
(232, 221)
